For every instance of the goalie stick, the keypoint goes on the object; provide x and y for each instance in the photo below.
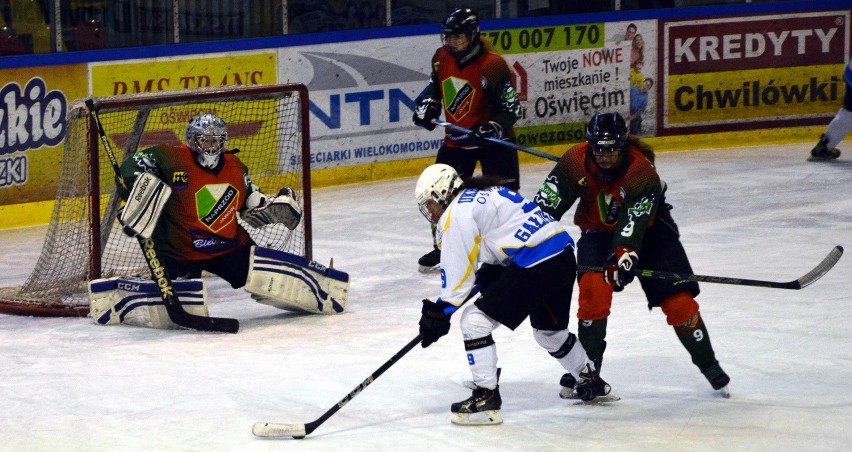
(805, 280)
(158, 273)
(299, 431)
(458, 129)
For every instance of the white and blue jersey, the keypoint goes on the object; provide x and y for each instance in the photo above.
(494, 226)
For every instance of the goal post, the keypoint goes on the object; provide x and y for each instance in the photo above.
(267, 124)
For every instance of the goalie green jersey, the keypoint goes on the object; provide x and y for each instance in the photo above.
(199, 220)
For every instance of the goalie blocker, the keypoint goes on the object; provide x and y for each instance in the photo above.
(291, 282)
(144, 206)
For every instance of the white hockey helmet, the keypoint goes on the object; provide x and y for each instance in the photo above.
(207, 136)
(438, 183)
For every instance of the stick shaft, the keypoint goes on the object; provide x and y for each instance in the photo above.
(805, 280)
(271, 429)
(509, 144)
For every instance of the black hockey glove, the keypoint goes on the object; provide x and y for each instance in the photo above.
(435, 321)
(488, 130)
(426, 112)
(619, 267)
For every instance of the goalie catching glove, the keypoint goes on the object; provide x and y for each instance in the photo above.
(282, 208)
(619, 267)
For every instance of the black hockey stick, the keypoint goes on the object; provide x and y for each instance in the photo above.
(458, 129)
(805, 280)
(299, 431)
(158, 273)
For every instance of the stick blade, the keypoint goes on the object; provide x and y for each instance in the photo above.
(273, 430)
(822, 268)
(201, 323)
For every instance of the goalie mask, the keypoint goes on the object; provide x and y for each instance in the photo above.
(438, 183)
(207, 136)
(606, 158)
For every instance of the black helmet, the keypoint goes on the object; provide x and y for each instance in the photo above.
(607, 132)
(461, 21)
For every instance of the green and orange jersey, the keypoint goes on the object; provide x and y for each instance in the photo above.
(625, 207)
(473, 94)
(199, 220)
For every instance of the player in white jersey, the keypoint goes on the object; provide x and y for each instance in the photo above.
(521, 261)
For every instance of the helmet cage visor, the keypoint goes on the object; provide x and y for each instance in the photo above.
(210, 144)
(440, 190)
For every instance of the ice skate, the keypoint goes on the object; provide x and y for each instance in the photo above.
(821, 152)
(481, 408)
(568, 382)
(591, 389)
(430, 261)
(718, 379)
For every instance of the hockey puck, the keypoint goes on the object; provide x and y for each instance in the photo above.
(299, 437)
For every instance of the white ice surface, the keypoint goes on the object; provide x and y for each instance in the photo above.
(758, 212)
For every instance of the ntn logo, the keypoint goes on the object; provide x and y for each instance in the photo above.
(359, 106)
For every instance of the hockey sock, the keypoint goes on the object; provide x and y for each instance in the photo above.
(694, 337)
(838, 128)
(592, 334)
(563, 346)
(482, 358)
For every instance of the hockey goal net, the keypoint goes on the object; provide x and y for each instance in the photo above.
(269, 126)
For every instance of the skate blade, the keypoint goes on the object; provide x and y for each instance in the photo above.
(827, 158)
(489, 417)
(424, 269)
(600, 400)
(724, 392)
(568, 393)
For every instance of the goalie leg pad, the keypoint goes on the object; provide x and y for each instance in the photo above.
(134, 301)
(291, 282)
(144, 205)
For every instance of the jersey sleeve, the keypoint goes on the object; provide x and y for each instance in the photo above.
(459, 239)
(559, 191)
(641, 200)
(145, 160)
(501, 92)
(432, 88)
